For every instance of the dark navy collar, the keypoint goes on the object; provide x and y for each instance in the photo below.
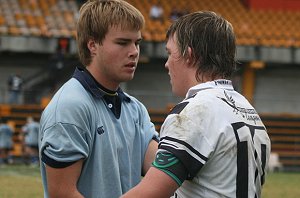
(92, 86)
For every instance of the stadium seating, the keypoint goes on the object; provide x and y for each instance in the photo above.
(284, 132)
(46, 18)
(16, 116)
(56, 18)
(253, 27)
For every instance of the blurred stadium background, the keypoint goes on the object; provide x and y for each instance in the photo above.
(37, 41)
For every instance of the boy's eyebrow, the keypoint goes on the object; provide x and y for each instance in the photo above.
(127, 39)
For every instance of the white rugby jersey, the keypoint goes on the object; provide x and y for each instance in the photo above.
(220, 139)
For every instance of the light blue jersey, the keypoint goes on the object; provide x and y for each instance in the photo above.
(6, 134)
(31, 133)
(79, 124)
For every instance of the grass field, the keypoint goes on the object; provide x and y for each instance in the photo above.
(18, 181)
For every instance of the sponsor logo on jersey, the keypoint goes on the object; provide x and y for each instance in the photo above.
(223, 82)
(100, 130)
(249, 114)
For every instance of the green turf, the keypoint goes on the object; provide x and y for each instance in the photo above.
(20, 181)
(282, 185)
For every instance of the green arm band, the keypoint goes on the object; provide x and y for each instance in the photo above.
(171, 165)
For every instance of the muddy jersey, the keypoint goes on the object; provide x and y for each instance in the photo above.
(221, 141)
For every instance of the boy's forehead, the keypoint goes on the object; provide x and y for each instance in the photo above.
(122, 28)
(124, 32)
(171, 42)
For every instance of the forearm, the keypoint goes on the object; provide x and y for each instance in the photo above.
(155, 184)
(65, 193)
(145, 191)
(62, 182)
(150, 156)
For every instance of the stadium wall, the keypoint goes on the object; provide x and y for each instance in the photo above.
(148, 49)
(274, 88)
(28, 66)
(277, 89)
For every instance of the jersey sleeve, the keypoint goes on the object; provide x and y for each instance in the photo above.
(147, 127)
(184, 135)
(62, 145)
(64, 135)
(171, 165)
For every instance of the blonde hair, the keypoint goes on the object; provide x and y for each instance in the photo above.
(97, 16)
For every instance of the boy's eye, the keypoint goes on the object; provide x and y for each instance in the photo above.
(122, 43)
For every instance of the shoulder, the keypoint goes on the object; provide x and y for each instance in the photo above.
(135, 103)
(192, 113)
(70, 104)
(198, 101)
(71, 90)
(136, 109)
(71, 93)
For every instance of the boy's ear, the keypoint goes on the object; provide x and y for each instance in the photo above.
(91, 44)
(190, 56)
